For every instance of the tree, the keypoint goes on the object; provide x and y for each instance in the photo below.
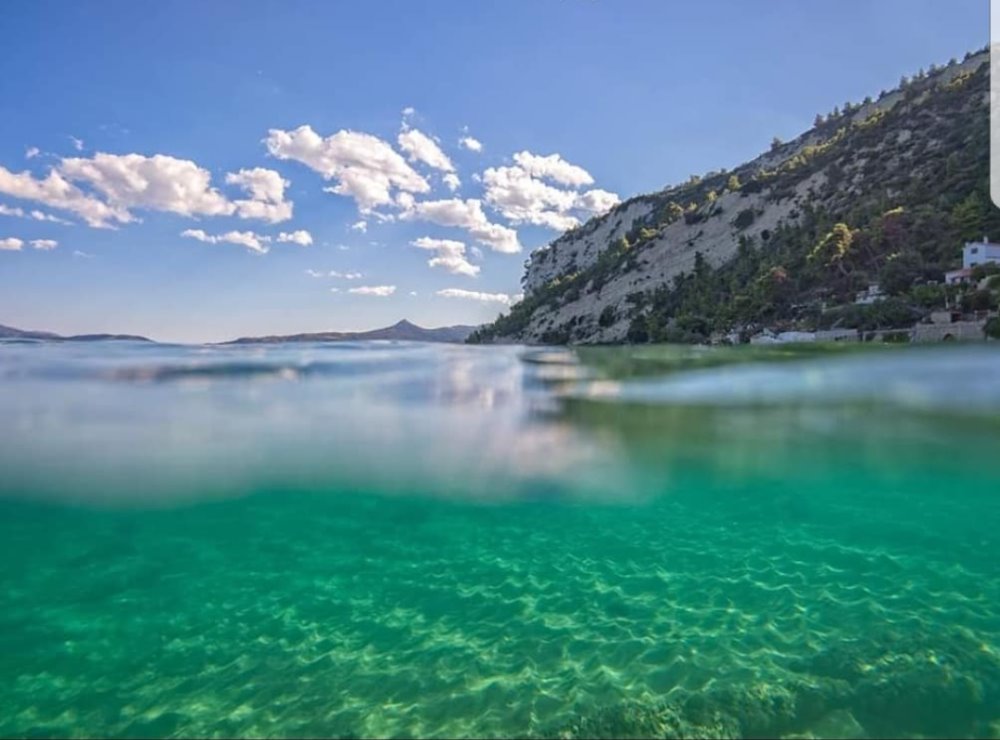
(834, 248)
(734, 184)
(776, 143)
(818, 120)
(992, 328)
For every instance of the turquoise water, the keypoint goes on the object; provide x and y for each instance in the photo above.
(405, 540)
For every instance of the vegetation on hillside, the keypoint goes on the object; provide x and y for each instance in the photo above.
(904, 188)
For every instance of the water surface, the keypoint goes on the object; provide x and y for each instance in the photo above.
(394, 539)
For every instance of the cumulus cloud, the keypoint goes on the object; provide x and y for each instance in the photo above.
(11, 244)
(36, 215)
(364, 167)
(315, 273)
(159, 183)
(553, 167)
(361, 226)
(422, 148)
(409, 111)
(118, 183)
(473, 145)
(525, 199)
(248, 239)
(77, 143)
(520, 194)
(448, 254)
(267, 194)
(376, 290)
(44, 244)
(475, 295)
(301, 236)
(31, 152)
(452, 181)
(597, 201)
(466, 214)
(56, 191)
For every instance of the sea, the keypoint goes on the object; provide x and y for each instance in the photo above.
(392, 539)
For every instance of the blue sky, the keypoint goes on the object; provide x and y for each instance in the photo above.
(137, 122)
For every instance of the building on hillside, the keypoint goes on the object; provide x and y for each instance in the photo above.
(974, 254)
(872, 295)
(980, 253)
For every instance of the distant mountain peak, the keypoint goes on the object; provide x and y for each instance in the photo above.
(402, 330)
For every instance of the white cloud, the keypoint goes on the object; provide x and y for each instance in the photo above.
(11, 244)
(77, 143)
(413, 292)
(422, 148)
(334, 290)
(467, 214)
(525, 199)
(345, 275)
(56, 191)
(315, 273)
(248, 239)
(31, 152)
(452, 181)
(376, 290)
(83, 255)
(267, 195)
(473, 145)
(40, 216)
(409, 111)
(159, 183)
(553, 167)
(475, 295)
(301, 236)
(36, 215)
(520, 195)
(121, 182)
(448, 254)
(361, 226)
(366, 168)
(597, 201)
(44, 244)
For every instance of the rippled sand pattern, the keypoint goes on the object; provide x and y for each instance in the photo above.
(409, 541)
(339, 614)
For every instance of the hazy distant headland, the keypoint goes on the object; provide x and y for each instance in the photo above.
(400, 331)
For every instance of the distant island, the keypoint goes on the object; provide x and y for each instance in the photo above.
(9, 332)
(401, 331)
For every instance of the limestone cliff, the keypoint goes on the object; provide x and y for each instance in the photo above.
(590, 284)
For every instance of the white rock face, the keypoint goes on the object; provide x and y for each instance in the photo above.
(566, 255)
(673, 250)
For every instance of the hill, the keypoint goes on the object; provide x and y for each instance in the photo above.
(883, 191)
(9, 332)
(403, 330)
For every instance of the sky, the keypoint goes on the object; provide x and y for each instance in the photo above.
(197, 171)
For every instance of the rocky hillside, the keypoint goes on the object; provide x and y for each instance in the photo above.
(885, 189)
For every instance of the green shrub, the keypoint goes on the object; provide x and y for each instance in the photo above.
(608, 317)
(992, 328)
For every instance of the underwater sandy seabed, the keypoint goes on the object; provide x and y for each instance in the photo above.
(777, 576)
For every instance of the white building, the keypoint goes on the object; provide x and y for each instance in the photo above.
(980, 253)
(973, 255)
